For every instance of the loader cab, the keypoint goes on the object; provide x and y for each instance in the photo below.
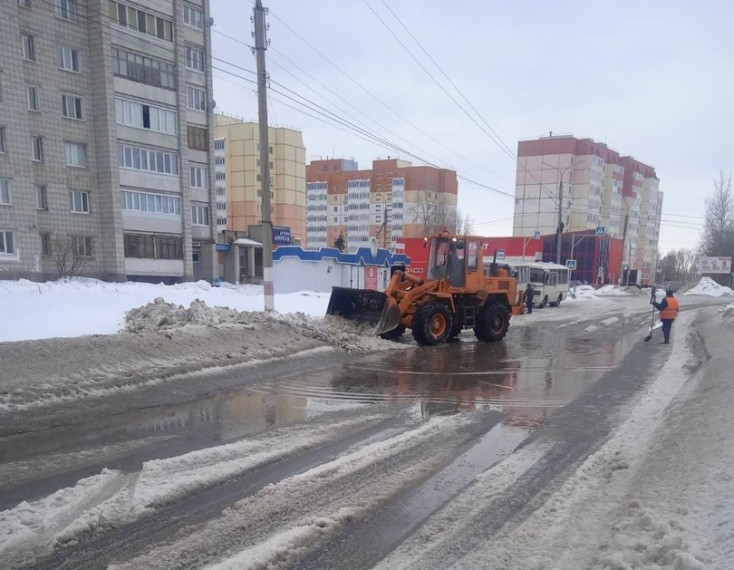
(446, 260)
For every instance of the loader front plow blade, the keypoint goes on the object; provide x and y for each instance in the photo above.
(390, 317)
(363, 305)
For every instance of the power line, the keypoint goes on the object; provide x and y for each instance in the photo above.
(493, 136)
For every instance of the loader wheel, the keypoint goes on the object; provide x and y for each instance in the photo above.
(394, 334)
(494, 321)
(432, 324)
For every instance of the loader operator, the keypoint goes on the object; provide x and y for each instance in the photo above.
(668, 308)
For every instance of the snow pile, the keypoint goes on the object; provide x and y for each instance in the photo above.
(336, 332)
(709, 287)
(81, 307)
(583, 293)
(611, 291)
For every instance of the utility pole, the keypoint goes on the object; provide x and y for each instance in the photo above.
(261, 44)
(624, 239)
(559, 230)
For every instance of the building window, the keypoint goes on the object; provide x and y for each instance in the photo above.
(198, 138)
(143, 69)
(41, 197)
(168, 247)
(76, 154)
(140, 246)
(37, 149)
(148, 160)
(152, 203)
(198, 176)
(29, 51)
(194, 58)
(81, 246)
(66, 10)
(193, 17)
(2, 141)
(221, 221)
(219, 159)
(199, 215)
(140, 21)
(69, 59)
(134, 114)
(220, 176)
(7, 244)
(33, 96)
(72, 107)
(219, 144)
(79, 201)
(46, 244)
(195, 98)
(4, 191)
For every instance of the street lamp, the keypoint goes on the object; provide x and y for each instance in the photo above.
(560, 206)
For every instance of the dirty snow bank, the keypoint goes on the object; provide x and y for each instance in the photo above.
(709, 287)
(165, 341)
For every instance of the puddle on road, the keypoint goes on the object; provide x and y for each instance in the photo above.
(532, 373)
(527, 377)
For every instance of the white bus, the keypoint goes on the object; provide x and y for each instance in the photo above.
(549, 281)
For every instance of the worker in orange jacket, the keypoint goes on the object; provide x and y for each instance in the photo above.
(668, 308)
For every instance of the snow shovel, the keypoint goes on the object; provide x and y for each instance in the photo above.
(652, 316)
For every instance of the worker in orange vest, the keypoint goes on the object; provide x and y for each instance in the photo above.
(668, 308)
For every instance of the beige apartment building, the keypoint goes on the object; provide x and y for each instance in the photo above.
(602, 190)
(390, 201)
(238, 182)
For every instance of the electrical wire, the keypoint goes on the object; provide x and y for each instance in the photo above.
(491, 135)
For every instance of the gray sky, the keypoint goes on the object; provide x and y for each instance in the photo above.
(652, 79)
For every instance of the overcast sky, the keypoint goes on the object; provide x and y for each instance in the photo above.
(652, 79)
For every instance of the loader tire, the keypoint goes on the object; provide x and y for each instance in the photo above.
(394, 334)
(494, 320)
(432, 324)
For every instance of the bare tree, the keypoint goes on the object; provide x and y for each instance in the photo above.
(718, 232)
(434, 212)
(69, 261)
(678, 265)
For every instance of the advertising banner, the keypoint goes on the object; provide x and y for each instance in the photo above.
(714, 265)
(370, 277)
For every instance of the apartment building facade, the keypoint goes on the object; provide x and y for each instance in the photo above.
(239, 174)
(391, 201)
(106, 133)
(601, 189)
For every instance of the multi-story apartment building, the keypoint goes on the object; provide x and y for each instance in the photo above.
(601, 189)
(105, 137)
(240, 172)
(391, 201)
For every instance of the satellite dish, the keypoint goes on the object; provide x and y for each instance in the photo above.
(373, 246)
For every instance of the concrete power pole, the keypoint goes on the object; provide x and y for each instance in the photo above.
(261, 45)
(559, 229)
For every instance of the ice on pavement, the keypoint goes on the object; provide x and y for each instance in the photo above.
(113, 498)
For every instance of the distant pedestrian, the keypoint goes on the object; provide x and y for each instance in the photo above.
(529, 296)
(668, 308)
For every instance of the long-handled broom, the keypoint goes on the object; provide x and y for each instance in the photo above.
(652, 316)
